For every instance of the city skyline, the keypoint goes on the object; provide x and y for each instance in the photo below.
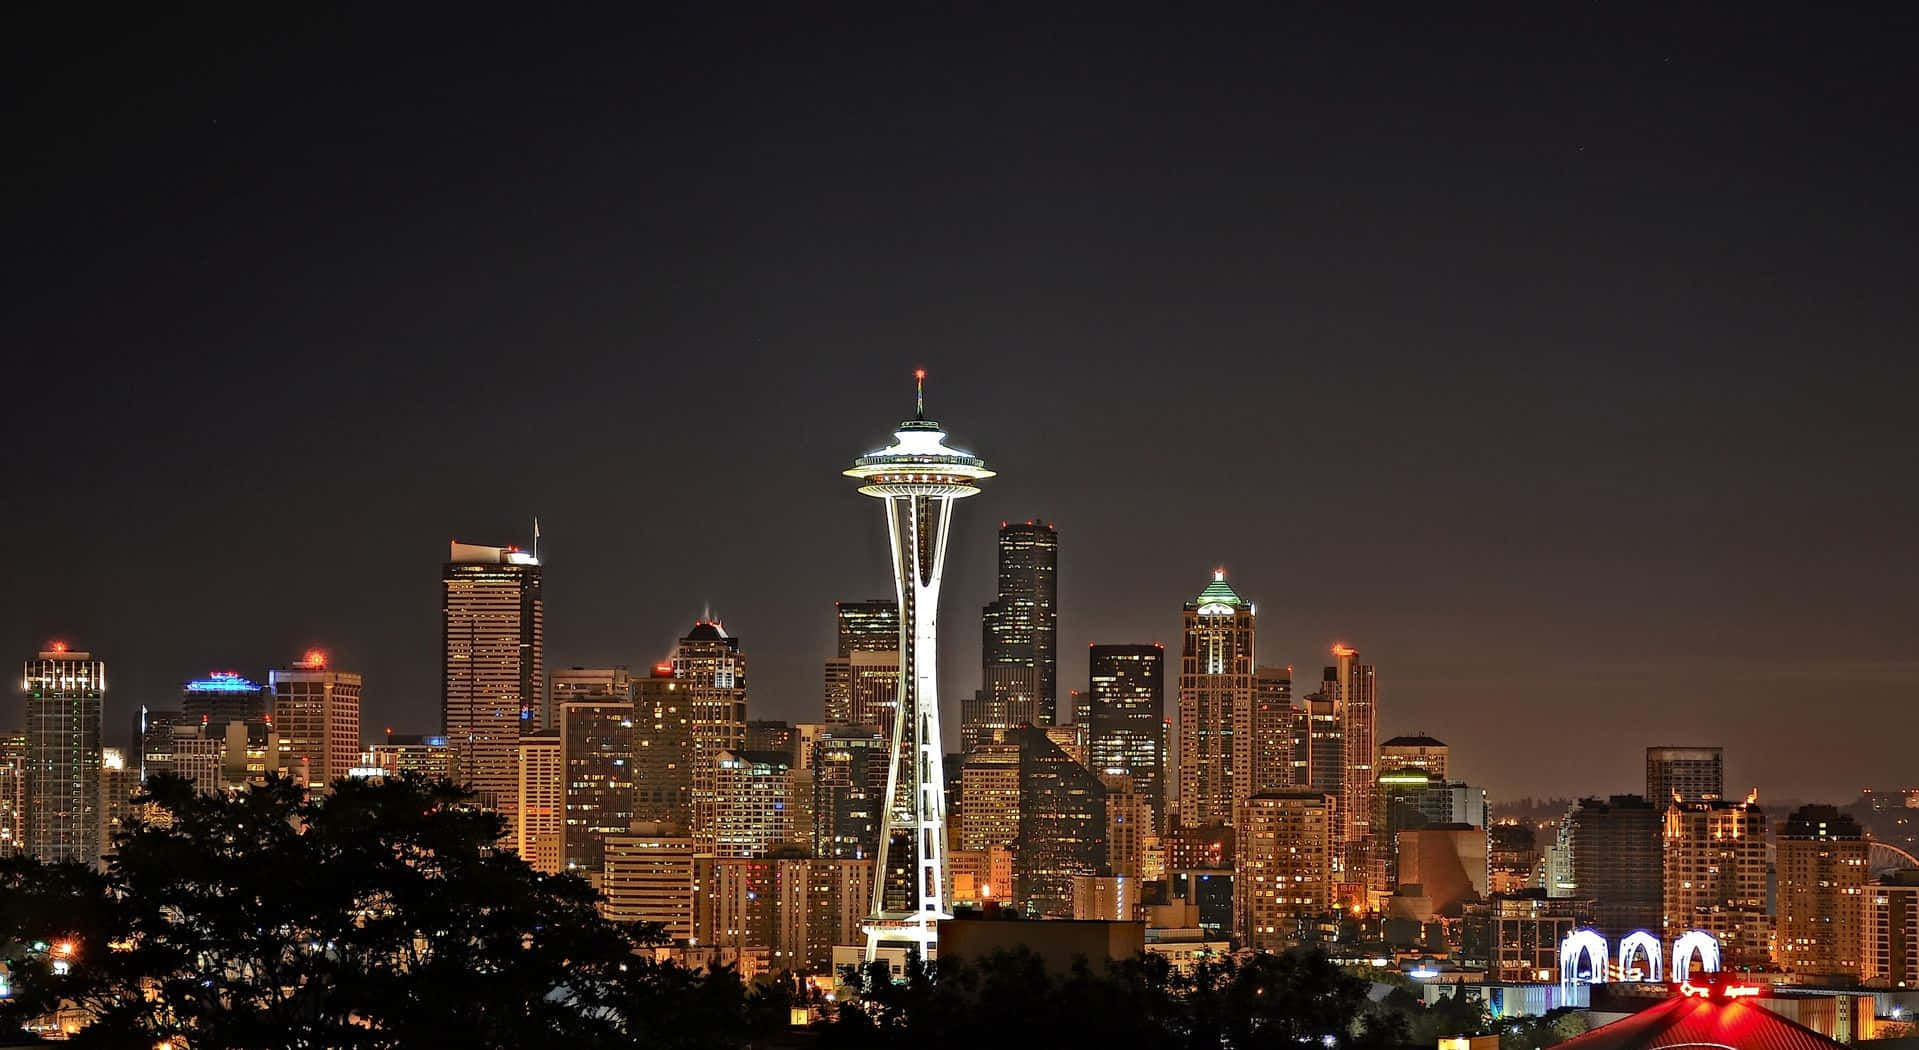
(1556, 368)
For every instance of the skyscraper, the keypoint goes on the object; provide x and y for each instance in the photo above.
(1126, 716)
(582, 683)
(1062, 823)
(64, 691)
(1822, 863)
(919, 478)
(13, 794)
(1282, 866)
(712, 672)
(1691, 774)
(1215, 705)
(596, 760)
(1276, 731)
(493, 671)
(1326, 744)
(866, 664)
(1715, 877)
(663, 750)
(539, 835)
(756, 791)
(871, 626)
(1618, 861)
(1019, 635)
(849, 765)
(1356, 692)
(316, 710)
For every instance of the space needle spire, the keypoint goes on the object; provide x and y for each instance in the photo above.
(917, 477)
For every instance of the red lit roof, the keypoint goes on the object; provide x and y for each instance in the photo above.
(1686, 1021)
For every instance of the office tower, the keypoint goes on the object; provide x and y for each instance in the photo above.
(596, 757)
(1326, 743)
(1822, 866)
(1355, 691)
(1062, 823)
(539, 834)
(1416, 752)
(317, 712)
(430, 757)
(873, 687)
(582, 683)
(766, 735)
(1019, 643)
(1891, 955)
(757, 791)
(989, 796)
(849, 765)
(119, 782)
(1070, 739)
(200, 755)
(663, 749)
(64, 691)
(1215, 705)
(1276, 732)
(833, 900)
(1129, 826)
(1512, 857)
(1617, 848)
(1126, 718)
(919, 478)
(1691, 774)
(153, 740)
(1715, 878)
(712, 671)
(649, 878)
(871, 626)
(493, 673)
(1282, 866)
(222, 697)
(13, 794)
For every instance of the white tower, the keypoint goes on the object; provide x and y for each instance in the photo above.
(919, 477)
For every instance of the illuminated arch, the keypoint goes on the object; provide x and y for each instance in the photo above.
(1690, 943)
(1586, 942)
(1644, 945)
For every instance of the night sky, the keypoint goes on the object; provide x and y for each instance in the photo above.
(1562, 361)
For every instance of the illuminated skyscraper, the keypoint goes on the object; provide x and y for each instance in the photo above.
(64, 691)
(1715, 877)
(316, 710)
(868, 652)
(919, 478)
(1822, 863)
(493, 674)
(222, 697)
(757, 791)
(663, 750)
(1691, 774)
(1416, 752)
(1282, 866)
(1618, 861)
(1019, 636)
(13, 794)
(582, 683)
(1216, 705)
(539, 835)
(1126, 716)
(1278, 732)
(871, 626)
(596, 758)
(712, 672)
(1355, 692)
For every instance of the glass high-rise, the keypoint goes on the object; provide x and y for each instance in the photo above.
(492, 672)
(1126, 716)
(64, 692)
(1019, 635)
(712, 672)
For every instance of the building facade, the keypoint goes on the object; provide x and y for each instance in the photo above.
(316, 710)
(755, 805)
(1820, 928)
(539, 835)
(1715, 878)
(1355, 691)
(1215, 705)
(493, 675)
(1279, 732)
(1617, 852)
(648, 877)
(1690, 774)
(1417, 752)
(662, 749)
(1282, 867)
(712, 671)
(596, 759)
(1019, 635)
(1126, 718)
(64, 690)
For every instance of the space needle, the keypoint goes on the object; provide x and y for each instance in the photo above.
(918, 476)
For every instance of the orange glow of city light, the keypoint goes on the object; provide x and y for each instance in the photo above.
(315, 658)
(57, 647)
(1342, 649)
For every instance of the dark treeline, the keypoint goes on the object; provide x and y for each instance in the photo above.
(382, 916)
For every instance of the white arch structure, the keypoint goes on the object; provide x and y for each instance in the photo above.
(1644, 945)
(1694, 942)
(1586, 942)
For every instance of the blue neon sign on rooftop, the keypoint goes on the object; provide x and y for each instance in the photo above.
(222, 682)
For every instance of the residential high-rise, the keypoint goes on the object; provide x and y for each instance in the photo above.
(1019, 643)
(222, 697)
(13, 794)
(1129, 826)
(1282, 866)
(596, 759)
(849, 768)
(1715, 877)
(1126, 718)
(1215, 705)
(582, 683)
(1355, 691)
(1416, 752)
(493, 672)
(989, 796)
(1690, 774)
(119, 783)
(755, 803)
(1618, 862)
(712, 671)
(1891, 956)
(1822, 858)
(649, 878)
(919, 478)
(539, 833)
(1276, 763)
(663, 749)
(316, 710)
(64, 690)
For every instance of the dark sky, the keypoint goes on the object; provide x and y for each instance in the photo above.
(1562, 361)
